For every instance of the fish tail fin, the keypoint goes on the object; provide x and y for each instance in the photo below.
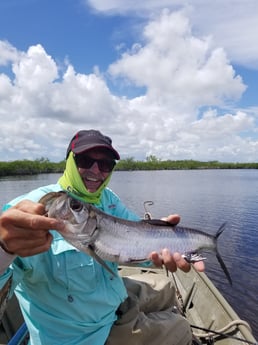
(221, 229)
(219, 258)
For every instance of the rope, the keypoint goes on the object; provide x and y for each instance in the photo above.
(228, 326)
(220, 332)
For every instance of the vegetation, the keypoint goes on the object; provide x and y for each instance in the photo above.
(153, 163)
(27, 167)
(43, 165)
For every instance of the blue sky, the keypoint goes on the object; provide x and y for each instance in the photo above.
(174, 79)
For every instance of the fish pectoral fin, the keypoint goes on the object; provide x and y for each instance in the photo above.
(92, 253)
(91, 226)
(193, 257)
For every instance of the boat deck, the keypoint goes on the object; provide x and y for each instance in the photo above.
(212, 319)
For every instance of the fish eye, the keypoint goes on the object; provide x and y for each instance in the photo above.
(76, 205)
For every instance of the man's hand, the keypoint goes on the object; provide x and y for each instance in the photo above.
(24, 230)
(172, 261)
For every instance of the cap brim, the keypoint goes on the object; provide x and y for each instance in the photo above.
(88, 147)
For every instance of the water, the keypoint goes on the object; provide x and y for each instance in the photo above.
(204, 199)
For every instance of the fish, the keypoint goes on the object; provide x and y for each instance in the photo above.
(113, 239)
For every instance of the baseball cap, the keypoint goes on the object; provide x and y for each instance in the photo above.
(85, 140)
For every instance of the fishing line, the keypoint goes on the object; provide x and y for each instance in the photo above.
(221, 334)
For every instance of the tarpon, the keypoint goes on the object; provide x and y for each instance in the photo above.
(109, 238)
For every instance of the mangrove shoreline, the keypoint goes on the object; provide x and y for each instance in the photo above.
(44, 166)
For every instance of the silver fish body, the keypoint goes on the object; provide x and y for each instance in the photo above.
(117, 240)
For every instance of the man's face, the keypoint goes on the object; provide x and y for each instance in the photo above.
(94, 166)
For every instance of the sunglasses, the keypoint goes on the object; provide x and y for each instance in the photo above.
(86, 162)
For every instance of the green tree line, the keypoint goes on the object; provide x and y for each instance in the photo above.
(153, 163)
(43, 165)
(29, 167)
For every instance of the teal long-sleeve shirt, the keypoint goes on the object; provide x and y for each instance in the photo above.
(66, 297)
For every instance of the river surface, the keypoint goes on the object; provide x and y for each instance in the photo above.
(204, 199)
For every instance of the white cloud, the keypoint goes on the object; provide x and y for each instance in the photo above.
(232, 23)
(42, 105)
(179, 68)
(121, 6)
(35, 70)
(212, 125)
(8, 53)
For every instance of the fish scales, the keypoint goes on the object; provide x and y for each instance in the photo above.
(109, 238)
(127, 243)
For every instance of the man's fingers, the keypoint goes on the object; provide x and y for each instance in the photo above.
(21, 220)
(30, 207)
(173, 219)
(181, 263)
(199, 266)
(31, 246)
(168, 260)
(156, 259)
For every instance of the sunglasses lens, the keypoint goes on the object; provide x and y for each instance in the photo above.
(85, 162)
(105, 165)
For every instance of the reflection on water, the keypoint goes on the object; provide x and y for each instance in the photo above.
(204, 199)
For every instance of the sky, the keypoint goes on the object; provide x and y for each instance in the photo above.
(173, 79)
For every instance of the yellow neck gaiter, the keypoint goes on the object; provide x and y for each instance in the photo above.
(72, 182)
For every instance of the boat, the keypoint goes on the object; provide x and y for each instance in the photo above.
(212, 319)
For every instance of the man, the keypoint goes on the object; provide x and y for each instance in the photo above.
(65, 296)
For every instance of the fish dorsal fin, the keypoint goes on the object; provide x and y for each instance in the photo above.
(158, 222)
